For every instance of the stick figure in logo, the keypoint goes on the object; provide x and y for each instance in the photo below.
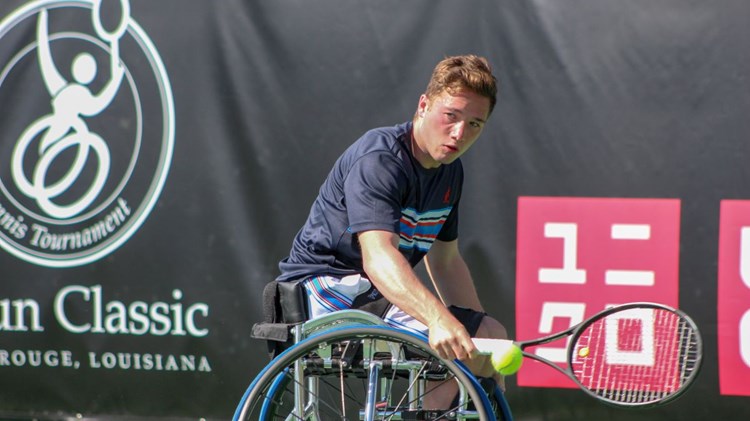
(65, 127)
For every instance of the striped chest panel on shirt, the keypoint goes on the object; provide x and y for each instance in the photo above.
(419, 230)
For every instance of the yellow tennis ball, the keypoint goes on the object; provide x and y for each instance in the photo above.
(508, 362)
(583, 352)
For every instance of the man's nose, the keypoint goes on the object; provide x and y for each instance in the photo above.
(457, 133)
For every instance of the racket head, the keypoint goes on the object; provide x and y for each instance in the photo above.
(636, 355)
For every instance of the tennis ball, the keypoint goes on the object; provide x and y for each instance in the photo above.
(507, 362)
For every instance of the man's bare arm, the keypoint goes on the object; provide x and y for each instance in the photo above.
(392, 275)
(451, 275)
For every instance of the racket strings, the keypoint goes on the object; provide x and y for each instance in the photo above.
(636, 356)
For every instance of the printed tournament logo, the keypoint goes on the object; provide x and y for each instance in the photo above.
(86, 130)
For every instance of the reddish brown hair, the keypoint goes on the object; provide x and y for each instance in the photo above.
(468, 72)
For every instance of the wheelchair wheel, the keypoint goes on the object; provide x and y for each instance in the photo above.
(362, 373)
(499, 404)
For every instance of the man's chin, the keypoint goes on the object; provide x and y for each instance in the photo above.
(448, 159)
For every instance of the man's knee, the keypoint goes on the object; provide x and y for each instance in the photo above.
(482, 366)
(491, 328)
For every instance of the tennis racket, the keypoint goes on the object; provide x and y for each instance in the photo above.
(635, 354)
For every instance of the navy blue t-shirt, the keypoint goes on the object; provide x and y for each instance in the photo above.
(376, 185)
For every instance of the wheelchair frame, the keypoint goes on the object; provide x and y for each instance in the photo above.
(358, 346)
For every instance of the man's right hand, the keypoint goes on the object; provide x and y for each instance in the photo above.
(449, 338)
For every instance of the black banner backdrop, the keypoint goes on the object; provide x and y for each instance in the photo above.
(137, 240)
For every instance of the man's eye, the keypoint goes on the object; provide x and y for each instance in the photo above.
(475, 125)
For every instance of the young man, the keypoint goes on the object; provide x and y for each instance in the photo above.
(391, 200)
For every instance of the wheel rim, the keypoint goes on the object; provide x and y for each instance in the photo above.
(271, 396)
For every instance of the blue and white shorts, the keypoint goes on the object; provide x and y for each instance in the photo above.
(327, 294)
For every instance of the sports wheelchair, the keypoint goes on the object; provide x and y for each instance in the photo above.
(349, 365)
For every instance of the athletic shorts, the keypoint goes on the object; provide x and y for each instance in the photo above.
(327, 294)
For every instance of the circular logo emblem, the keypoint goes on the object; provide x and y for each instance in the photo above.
(87, 133)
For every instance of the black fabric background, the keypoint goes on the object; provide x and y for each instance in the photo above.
(598, 98)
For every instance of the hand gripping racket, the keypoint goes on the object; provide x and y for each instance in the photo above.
(636, 354)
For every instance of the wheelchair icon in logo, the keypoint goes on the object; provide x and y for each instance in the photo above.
(66, 128)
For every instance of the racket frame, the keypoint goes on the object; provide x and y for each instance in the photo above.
(575, 331)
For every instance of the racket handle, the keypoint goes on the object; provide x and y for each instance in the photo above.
(487, 346)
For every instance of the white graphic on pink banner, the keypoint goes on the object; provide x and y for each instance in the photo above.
(577, 256)
(638, 350)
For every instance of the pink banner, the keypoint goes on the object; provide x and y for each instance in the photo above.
(734, 298)
(577, 256)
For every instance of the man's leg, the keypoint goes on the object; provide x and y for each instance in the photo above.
(481, 366)
(478, 325)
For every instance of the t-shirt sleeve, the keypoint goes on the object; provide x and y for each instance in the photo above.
(373, 190)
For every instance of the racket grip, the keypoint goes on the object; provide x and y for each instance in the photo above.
(488, 346)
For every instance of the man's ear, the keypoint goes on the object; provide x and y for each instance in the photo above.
(424, 104)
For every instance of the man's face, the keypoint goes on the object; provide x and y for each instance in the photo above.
(447, 125)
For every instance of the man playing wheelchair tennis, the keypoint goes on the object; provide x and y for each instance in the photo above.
(391, 200)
